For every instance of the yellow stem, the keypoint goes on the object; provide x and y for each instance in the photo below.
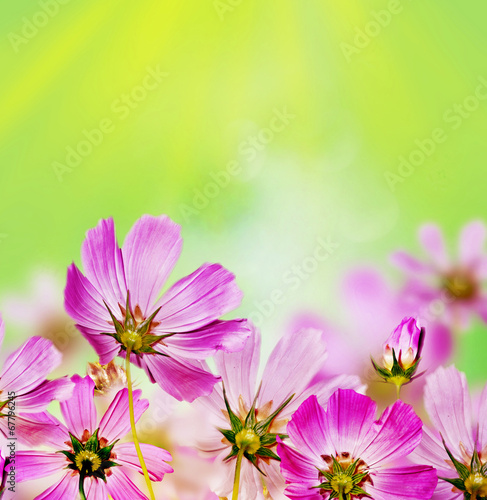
(398, 391)
(132, 424)
(236, 482)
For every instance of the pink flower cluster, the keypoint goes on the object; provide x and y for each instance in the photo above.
(303, 428)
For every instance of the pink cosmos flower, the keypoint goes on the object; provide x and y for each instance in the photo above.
(342, 452)
(462, 457)
(25, 389)
(87, 451)
(285, 384)
(455, 286)
(116, 305)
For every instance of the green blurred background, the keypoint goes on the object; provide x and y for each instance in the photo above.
(261, 127)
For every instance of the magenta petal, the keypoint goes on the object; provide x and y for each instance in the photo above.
(447, 402)
(472, 240)
(37, 464)
(103, 264)
(105, 346)
(79, 411)
(286, 372)
(95, 489)
(121, 487)
(150, 251)
(416, 483)
(38, 429)
(350, 417)
(115, 423)
(431, 238)
(38, 399)
(228, 336)
(299, 472)
(183, 380)
(198, 299)
(432, 452)
(396, 435)
(84, 303)
(155, 459)
(307, 429)
(66, 489)
(29, 365)
(239, 369)
(482, 419)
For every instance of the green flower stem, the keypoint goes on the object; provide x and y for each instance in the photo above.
(236, 481)
(81, 489)
(132, 424)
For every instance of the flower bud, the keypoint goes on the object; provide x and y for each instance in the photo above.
(401, 353)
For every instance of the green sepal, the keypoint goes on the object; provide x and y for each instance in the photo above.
(475, 463)
(233, 453)
(457, 482)
(396, 369)
(77, 446)
(149, 350)
(118, 326)
(229, 435)
(253, 461)
(337, 466)
(263, 426)
(148, 340)
(108, 463)
(324, 486)
(327, 475)
(462, 469)
(351, 468)
(250, 419)
(92, 444)
(357, 490)
(129, 323)
(104, 453)
(143, 328)
(267, 452)
(234, 420)
(385, 374)
(68, 454)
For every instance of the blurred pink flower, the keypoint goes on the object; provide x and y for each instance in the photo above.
(454, 286)
(88, 453)
(289, 371)
(346, 451)
(117, 303)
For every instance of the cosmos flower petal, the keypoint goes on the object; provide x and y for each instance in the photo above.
(39, 428)
(300, 471)
(395, 435)
(105, 346)
(37, 464)
(447, 402)
(198, 299)
(481, 307)
(38, 399)
(185, 381)
(115, 423)
(155, 459)
(349, 418)
(103, 264)
(28, 366)
(95, 489)
(415, 483)
(150, 251)
(121, 487)
(227, 336)
(306, 428)
(239, 369)
(65, 489)
(292, 365)
(482, 420)
(79, 411)
(432, 452)
(84, 303)
(431, 237)
(409, 264)
(471, 243)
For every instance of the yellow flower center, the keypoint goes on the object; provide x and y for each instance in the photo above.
(248, 440)
(131, 340)
(460, 285)
(87, 456)
(342, 483)
(476, 484)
